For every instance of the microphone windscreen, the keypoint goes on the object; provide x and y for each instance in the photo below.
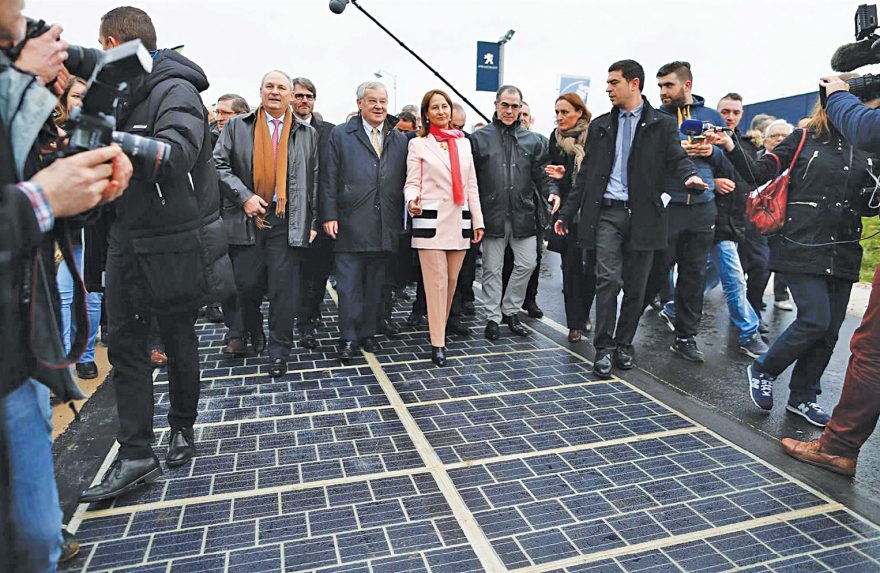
(852, 56)
(338, 6)
(691, 127)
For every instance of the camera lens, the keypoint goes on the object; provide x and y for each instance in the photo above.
(147, 155)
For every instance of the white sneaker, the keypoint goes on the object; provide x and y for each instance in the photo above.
(783, 305)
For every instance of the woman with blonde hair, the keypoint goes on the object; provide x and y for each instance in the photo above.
(442, 198)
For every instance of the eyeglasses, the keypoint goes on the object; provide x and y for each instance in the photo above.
(309, 97)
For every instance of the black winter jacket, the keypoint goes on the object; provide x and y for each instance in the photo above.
(363, 192)
(730, 222)
(172, 227)
(824, 204)
(510, 162)
(656, 154)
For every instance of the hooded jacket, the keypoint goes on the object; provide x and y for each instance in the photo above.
(172, 226)
(708, 168)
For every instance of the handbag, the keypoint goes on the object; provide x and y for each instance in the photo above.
(765, 206)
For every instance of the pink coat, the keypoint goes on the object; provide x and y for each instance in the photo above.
(442, 225)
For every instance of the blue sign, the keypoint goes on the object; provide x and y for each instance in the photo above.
(579, 85)
(488, 66)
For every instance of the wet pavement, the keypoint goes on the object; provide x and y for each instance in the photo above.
(513, 457)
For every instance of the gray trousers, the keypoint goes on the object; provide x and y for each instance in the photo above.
(525, 258)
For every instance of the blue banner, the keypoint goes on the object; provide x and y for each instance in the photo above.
(488, 66)
(579, 85)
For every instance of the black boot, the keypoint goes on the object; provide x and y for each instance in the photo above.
(181, 447)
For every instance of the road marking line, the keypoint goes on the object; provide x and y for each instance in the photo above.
(246, 493)
(480, 544)
(683, 538)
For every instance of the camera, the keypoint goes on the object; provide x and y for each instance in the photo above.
(93, 124)
(865, 51)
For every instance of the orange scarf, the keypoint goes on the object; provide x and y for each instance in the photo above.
(270, 172)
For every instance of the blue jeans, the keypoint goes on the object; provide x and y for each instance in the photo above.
(36, 515)
(724, 267)
(93, 303)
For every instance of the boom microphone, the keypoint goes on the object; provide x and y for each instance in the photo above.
(849, 57)
(694, 127)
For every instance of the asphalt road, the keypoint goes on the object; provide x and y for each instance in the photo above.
(720, 383)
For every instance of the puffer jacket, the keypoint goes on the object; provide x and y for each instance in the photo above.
(234, 158)
(171, 227)
(510, 162)
(823, 216)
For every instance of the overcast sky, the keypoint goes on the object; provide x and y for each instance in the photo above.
(763, 49)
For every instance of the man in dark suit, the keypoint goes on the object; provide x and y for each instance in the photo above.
(619, 193)
(362, 210)
(319, 259)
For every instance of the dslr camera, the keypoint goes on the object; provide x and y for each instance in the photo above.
(93, 125)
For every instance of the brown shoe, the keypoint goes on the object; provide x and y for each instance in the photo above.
(158, 358)
(812, 453)
(575, 336)
(235, 347)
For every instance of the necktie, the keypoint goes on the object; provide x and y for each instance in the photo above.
(276, 135)
(626, 135)
(374, 139)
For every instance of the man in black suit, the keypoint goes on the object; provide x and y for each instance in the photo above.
(619, 193)
(319, 260)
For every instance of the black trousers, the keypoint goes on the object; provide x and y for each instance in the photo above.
(270, 265)
(132, 373)
(578, 283)
(359, 280)
(754, 255)
(691, 237)
(618, 266)
(464, 290)
(809, 341)
(317, 266)
(232, 317)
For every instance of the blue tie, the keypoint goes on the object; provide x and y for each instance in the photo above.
(626, 134)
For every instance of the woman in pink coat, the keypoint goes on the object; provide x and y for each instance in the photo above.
(442, 198)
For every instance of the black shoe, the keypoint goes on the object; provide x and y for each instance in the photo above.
(213, 313)
(467, 308)
(687, 349)
(235, 347)
(414, 320)
(69, 546)
(278, 368)
(533, 309)
(370, 345)
(438, 355)
(602, 366)
(258, 341)
(123, 476)
(307, 334)
(388, 327)
(454, 327)
(86, 370)
(181, 447)
(346, 350)
(763, 328)
(515, 325)
(623, 359)
(492, 331)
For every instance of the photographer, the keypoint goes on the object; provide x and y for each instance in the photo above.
(818, 251)
(30, 201)
(855, 415)
(167, 256)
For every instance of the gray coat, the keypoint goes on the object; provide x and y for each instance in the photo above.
(234, 158)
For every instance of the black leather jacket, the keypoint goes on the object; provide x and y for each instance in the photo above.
(510, 162)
